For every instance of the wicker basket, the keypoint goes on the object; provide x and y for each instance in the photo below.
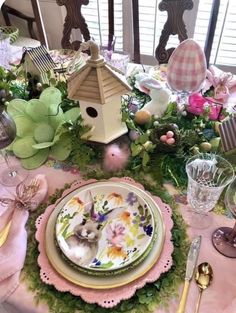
(10, 32)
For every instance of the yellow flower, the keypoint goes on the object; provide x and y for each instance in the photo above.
(116, 197)
(76, 201)
(116, 252)
(129, 241)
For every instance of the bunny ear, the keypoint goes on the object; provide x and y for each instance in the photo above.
(141, 76)
(90, 205)
(151, 83)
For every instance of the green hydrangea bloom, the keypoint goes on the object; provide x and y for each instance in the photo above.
(40, 128)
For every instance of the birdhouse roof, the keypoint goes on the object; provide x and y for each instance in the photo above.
(97, 82)
(40, 58)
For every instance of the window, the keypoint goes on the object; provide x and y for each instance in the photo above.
(96, 15)
(224, 45)
(151, 24)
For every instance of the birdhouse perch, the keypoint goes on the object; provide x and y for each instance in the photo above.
(99, 88)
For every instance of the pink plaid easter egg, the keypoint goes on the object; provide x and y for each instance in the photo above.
(186, 69)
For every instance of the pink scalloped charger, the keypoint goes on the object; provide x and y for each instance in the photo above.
(109, 297)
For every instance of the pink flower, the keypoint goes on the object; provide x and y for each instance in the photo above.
(115, 234)
(198, 105)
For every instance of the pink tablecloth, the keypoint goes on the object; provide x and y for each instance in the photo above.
(219, 298)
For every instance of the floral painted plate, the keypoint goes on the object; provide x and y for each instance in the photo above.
(103, 281)
(105, 228)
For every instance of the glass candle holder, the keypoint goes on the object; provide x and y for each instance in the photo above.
(117, 60)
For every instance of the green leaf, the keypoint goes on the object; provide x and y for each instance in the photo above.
(106, 265)
(36, 160)
(141, 236)
(37, 110)
(146, 158)
(43, 133)
(22, 147)
(61, 129)
(142, 139)
(24, 126)
(56, 116)
(72, 115)
(140, 209)
(135, 149)
(62, 149)
(17, 107)
(51, 96)
(42, 145)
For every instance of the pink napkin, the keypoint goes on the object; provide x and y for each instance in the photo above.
(13, 251)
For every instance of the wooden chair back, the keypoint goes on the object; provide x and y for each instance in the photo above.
(74, 20)
(173, 26)
(7, 11)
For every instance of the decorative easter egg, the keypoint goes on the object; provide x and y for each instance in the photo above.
(142, 117)
(170, 141)
(170, 134)
(205, 146)
(186, 69)
(163, 138)
(115, 158)
(133, 134)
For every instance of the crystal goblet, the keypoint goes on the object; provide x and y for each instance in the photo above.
(13, 174)
(208, 175)
(224, 238)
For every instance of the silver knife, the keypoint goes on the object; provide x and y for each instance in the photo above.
(191, 264)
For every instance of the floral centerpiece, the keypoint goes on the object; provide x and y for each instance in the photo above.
(158, 143)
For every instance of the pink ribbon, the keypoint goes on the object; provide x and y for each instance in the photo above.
(221, 81)
(16, 211)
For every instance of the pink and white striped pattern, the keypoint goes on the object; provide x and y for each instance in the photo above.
(186, 69)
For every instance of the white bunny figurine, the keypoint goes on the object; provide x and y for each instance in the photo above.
(160, 96)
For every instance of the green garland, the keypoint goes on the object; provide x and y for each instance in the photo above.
(145, 300)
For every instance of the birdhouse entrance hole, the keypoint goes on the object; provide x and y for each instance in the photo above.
(92, 112)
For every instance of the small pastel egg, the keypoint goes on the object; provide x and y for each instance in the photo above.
(142, 117)
(170, 134)
(170, 141)
(134, 134)
(205, 146)
(163, 138)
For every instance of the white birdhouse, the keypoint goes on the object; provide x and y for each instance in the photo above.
(99, 88)
(38, 62)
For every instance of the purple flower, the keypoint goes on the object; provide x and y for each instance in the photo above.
(101, 218)
(131, 198)
(96, 262)
(148, 229)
